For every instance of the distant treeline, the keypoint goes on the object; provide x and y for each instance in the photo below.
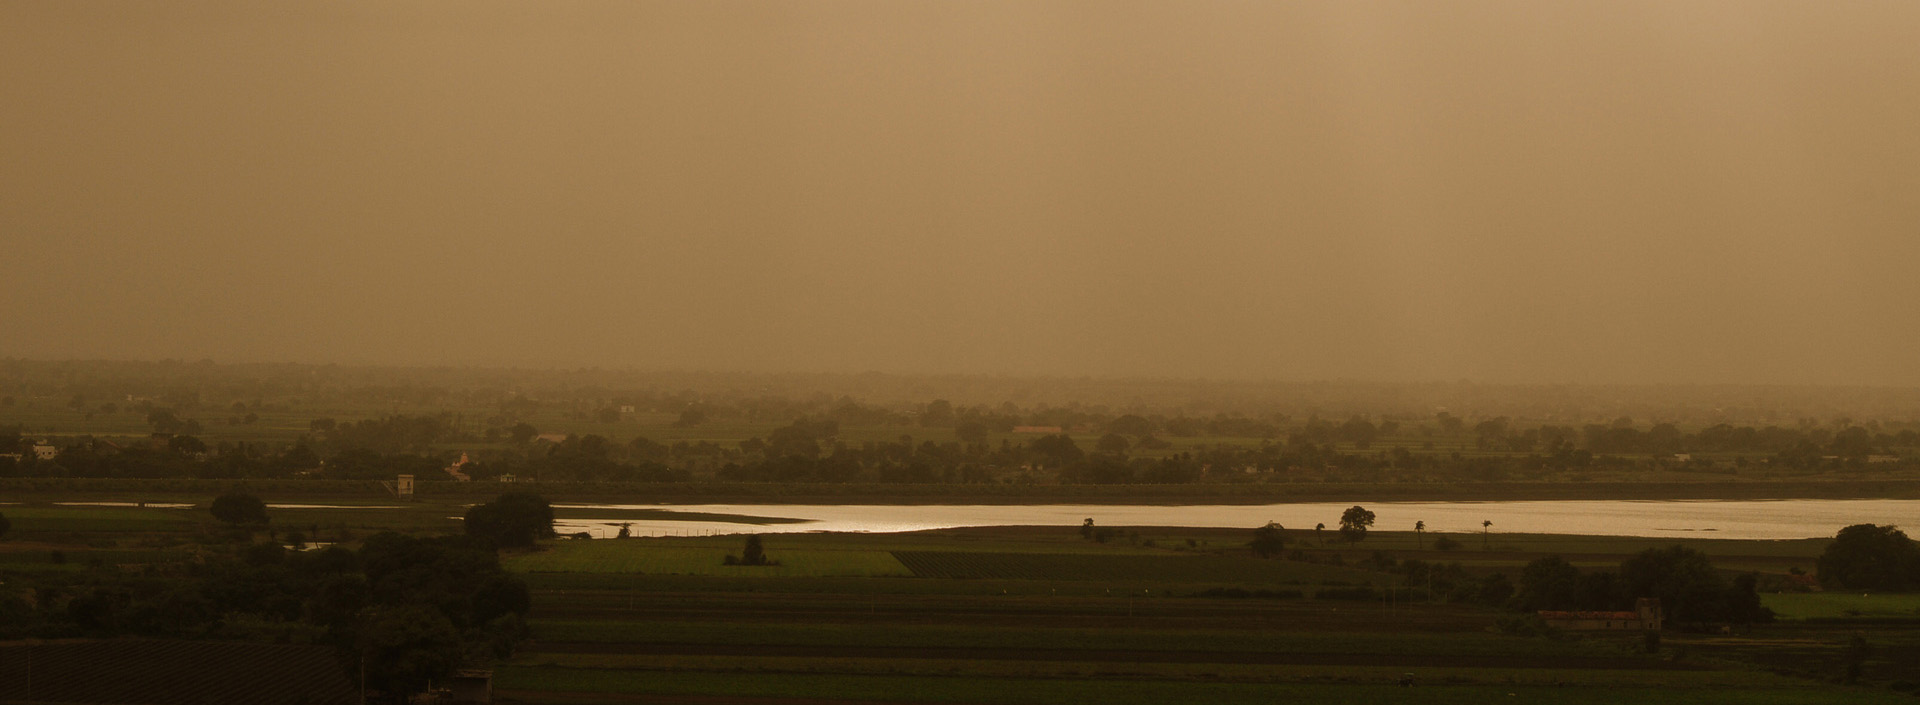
(210, 392)
(811, 450)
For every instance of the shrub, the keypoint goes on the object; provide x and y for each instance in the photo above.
(240, 509)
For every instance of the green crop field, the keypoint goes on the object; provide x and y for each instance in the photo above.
(1168, 568)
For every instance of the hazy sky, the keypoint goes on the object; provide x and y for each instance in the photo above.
(1661, 191)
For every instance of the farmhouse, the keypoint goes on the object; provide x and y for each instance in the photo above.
(1645, 617)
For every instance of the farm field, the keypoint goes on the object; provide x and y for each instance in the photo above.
(1041, 614)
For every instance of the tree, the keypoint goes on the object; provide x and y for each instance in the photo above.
(1683, 579)
(1486, 535)
(240, 509)
(971, 431)
(514, 520)
(1317, 530)
(4, 525)
(1354, 523)
(1870, 557)
(1086, 529)
(1131, 425)
(405, 647)
(1269, 540)
(1058, 449)
(938, 412)
(753, 553)
(1549, 583)
(691, 416)
(522, 432)
(1112, 443)
(1420, 535)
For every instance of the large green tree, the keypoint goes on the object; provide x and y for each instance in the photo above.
(1870, 557)
(1689, 588)
(240, 509)
(514, 520)
(1269, 540)
(1354, 523)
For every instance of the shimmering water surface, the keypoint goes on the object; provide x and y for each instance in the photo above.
(1777, 519)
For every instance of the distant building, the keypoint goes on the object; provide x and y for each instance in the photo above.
(509, 477)
(626, 408)
(403, 486)
(1036, 429)
(1645, 617)
(1682, 457)
(455, 471)
(551, 437)
(1883, 458)
(45, 452)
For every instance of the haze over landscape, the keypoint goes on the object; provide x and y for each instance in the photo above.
(899, 352)
(1639, 192)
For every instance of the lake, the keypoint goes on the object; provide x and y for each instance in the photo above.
(1741, 519)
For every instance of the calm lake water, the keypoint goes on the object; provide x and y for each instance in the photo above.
(1779, 519)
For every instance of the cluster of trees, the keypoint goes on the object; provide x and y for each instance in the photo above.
(406, 609)
(810, 449)
(1685, 581)
(1870, 557)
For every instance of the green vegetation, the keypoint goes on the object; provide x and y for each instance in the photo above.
(1869, 557)
(615, 434)
(240, 509)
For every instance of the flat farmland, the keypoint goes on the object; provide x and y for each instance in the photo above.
(1202, 568)
(648, 556)
(1041, 615)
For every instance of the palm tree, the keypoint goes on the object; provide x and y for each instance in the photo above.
(1317, 528)
(1485, 540)
(1419, 535)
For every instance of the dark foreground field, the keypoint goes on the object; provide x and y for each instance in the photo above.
(1042, 615)
(1037, 615)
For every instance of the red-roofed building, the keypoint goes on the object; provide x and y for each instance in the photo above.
(1645, 617)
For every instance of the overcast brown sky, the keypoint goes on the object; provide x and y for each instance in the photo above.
(1612, 191)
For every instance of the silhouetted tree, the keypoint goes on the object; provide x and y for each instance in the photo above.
(753, 553)
(515, 519)
(240, 509)
(1354, 523)
(1269, 540)
(1870, 557)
